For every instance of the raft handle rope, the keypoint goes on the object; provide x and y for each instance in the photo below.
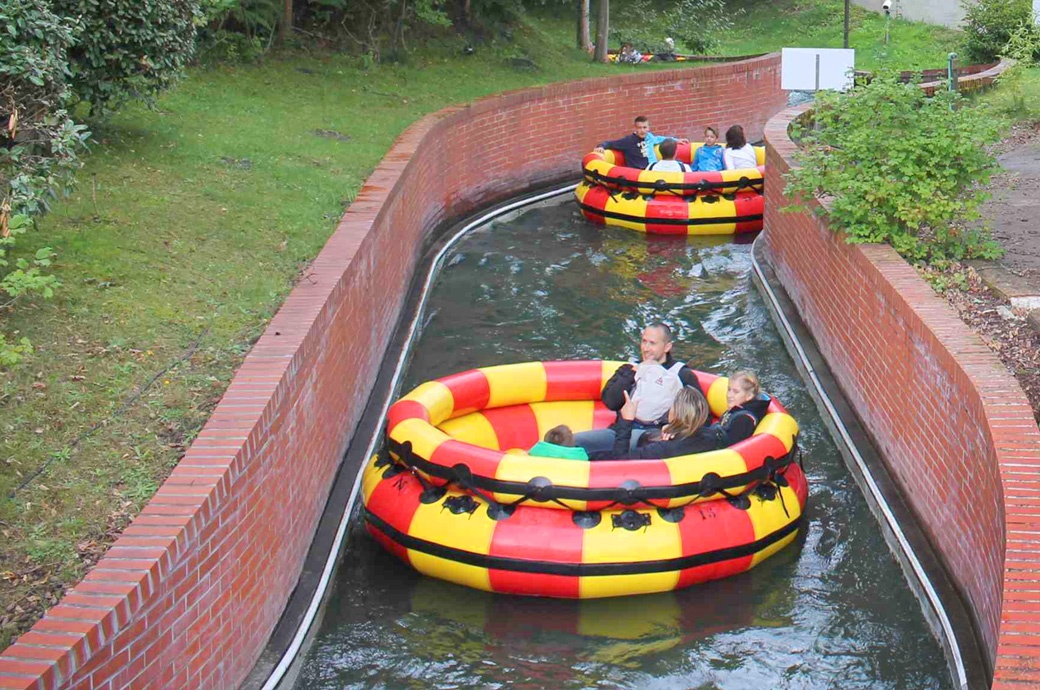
(702, 186)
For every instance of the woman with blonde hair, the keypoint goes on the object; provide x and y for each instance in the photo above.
(684, 434)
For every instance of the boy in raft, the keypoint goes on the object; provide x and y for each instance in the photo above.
(668, 162)
(637, 147)
(654, 383)
(558, 443)
(709, 156)
(747, 405)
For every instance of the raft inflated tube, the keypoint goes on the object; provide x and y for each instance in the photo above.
(472, 430)
(609, 169)
(725, 214)
(528, 550)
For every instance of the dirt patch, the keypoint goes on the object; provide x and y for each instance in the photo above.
(1013, 212)
(1014, 209)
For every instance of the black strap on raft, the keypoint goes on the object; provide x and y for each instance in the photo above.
(542, 489)
(596, 177)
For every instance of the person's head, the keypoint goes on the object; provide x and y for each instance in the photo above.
(669, 44)
(656, 343)
(668, 149)
(711, 137)
(735, 137)
(743, 387)
(560, 435)
(689, 412)
(641, 126)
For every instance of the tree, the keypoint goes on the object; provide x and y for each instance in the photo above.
(584, 39)
(602, 30)
(285, 26)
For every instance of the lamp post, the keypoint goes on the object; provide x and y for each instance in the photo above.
(845, 43)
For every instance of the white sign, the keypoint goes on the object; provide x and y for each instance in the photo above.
(812, 69)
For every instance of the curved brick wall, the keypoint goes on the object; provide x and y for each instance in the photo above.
(966, 449)
(189, 593)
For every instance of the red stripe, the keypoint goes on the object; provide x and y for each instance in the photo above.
(405, 409)
(596, 198)
(395, 501)
(516, 426)
(537, 534)
(602, 417)
(749, 204)
(470, 391)
(614, 473)
(704, 380)
(667, 207)
(388, 543)
(573, 380)
(710, 526)
(755, 449)
(482, 462)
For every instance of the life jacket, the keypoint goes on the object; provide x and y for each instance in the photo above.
(656, 388)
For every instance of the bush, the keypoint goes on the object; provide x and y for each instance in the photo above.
(129, 49)
(39, 144)
(988, 24)
(695, 23)
(899, 167)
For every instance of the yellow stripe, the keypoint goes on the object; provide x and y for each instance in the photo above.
(606, 544)
(434, 523)
(608, 370)
(513, 384)
(576, 414)
(692, 468)
(425, 438)
(370, 479)
(769, 516)
(436, 398)
(717, 396)
(522, 468)
(780, 425)
(472, 428)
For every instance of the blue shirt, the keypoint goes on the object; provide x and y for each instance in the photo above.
(708, 158)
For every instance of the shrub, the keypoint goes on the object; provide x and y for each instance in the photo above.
(129, 49)
(695, 23)
(988, 24)
(899, 167)
(39, 144)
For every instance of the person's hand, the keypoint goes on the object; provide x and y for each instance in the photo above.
(684, 141)
(628, 410)
(666, 435)
(599, 149)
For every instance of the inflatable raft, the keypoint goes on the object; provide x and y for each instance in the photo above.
(671, 203)
(456, 496)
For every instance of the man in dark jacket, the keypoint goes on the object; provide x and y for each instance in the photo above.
(653, 382)
(638, 147)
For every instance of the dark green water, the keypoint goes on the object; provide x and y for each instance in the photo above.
(831, 611)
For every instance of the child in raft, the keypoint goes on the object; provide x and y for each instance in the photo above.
(709, 154)
(684, 434)
(747, 405)
(558, 443)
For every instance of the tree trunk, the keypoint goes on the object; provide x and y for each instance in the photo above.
(286, 24)
(602, 30)
(584, 38)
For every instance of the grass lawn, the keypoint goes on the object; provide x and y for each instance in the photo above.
(188, 229)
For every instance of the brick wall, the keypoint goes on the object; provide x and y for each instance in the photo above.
(189, 593)
(950, 420)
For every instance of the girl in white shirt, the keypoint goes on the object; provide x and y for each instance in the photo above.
(738, 153)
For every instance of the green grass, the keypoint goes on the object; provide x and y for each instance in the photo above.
(1018, 99)
(189, 226)
(769, 26)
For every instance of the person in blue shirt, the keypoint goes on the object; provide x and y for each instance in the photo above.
(709, 156)
(637, 147)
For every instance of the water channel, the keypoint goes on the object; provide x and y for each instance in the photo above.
(831, 610)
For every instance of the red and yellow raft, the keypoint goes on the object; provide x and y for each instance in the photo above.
(671, 203)
(456, 496)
